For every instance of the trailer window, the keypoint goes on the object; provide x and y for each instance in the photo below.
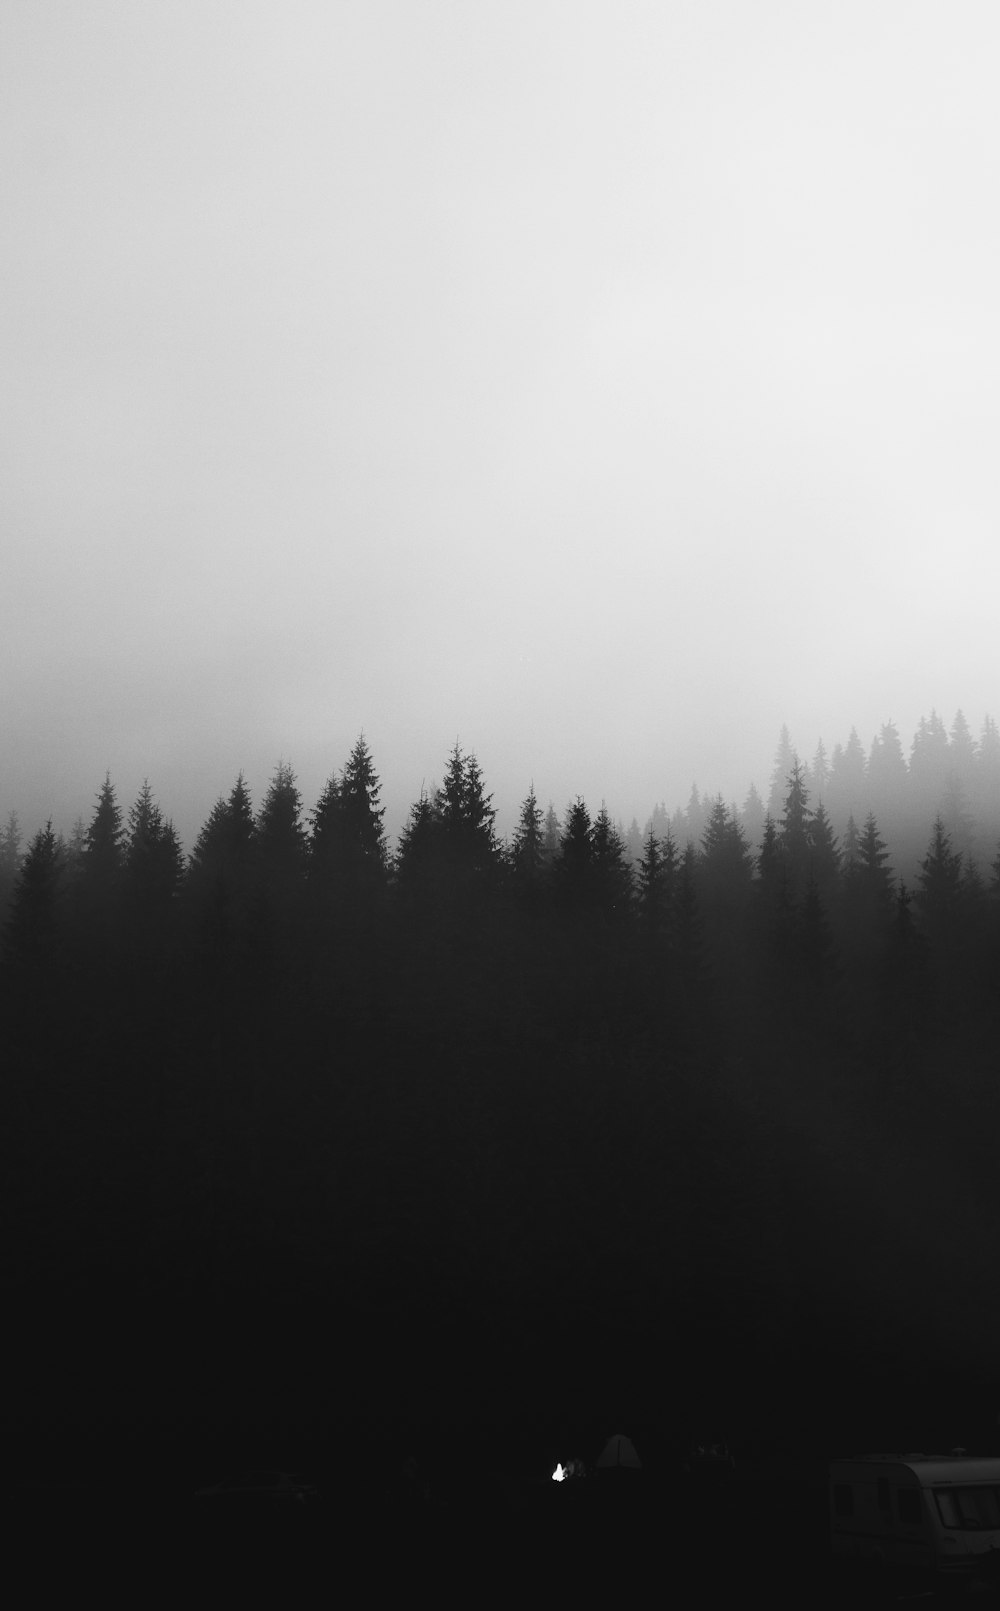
(972, 1509)
(843, 1499)
(908, 1505)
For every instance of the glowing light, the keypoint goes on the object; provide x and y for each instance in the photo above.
(559, 1474)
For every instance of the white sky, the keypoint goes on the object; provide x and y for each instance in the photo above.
(601, 385)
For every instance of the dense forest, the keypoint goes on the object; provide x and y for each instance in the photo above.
(692, 1123)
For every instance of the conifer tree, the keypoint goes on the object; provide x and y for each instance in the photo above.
(573, 865)
(465, 814)
(929, 765)
(824, 854)
(656, 886)
(752, 818)
(528, 859)
(219, 885)
(962, 751)
(153, 864)
(326, 840)
(102, 859)
(31, 934)
(851, 852)
(550, 842)
(888, 775)
(363, 815)
(10, 861)
(795, 836)
(415, 854)
(820, 772)
(784, 760)
(957, 818)
(611, 869)
(847, 789)
(280, 834)
(694, 817)
(872, 880)
(770, 863)
(939, 895)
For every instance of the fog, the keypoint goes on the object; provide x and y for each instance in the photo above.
(599, 386)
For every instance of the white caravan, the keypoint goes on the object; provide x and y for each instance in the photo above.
(930, 1514)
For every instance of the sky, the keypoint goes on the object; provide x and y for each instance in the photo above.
(598, 386)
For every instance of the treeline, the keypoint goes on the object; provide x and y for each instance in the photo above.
(950, 775)
(479, 1120)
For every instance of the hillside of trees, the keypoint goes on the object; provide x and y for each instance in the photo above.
(302, 1130)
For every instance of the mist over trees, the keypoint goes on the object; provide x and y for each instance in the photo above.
(687, 1113)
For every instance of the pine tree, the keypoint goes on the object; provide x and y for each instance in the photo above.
(656, 888)
(633, 843)
(694, 817)
(550, 843)
(873, 873)
(363, 815)
(929, 766)
(221, 871)
(784, 760)
(939, 896)
(573, 865)
(280, 835)
(103, 850)
(962, 751)
(752, 817)
(612, 871)
(770, 863)
(957, 817)
(10, 861)
(795, 835)
(847, 788)
(416, 853)
(872, 854)
(851, 851)
(466, 816)
(820, 772)
(824, 854)
(32, 931)
(528, 860)
(327, 841)
(153, 864)
(984, 793)
(888, 776)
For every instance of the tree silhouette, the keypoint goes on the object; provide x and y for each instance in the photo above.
(102, 860)
(573, 865)
(795, 833)
(939, 893)
(528, 854)
(611, 870)
(824, 854)
(33, 928)
(784, 760)
(656, 881)
(153, 863)
(363, 817)
(10, 861)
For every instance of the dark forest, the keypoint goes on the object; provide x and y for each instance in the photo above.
(659, 1128)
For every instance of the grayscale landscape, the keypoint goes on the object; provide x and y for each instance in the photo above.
(499, 783)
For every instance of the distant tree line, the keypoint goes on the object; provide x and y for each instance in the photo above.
(457, 1105)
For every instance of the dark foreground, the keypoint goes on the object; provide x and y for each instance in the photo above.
(481, 1529)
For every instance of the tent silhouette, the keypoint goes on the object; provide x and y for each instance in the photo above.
(619, 1454)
